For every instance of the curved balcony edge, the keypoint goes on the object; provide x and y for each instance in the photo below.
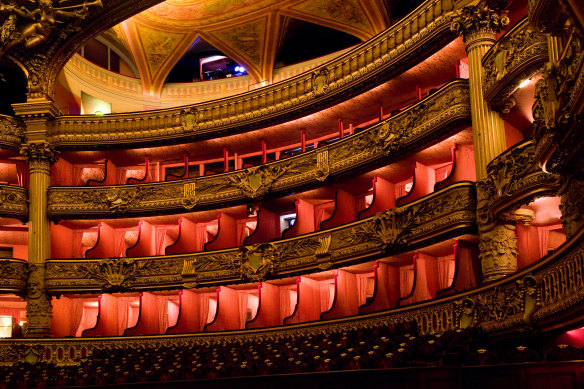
(435, 217)
(14, 202)
(424, 123)
(408, 41)
(540, 296)
(517, 56)
(13, 276)
(515, 179)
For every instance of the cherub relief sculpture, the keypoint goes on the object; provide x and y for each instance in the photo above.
(42, 18)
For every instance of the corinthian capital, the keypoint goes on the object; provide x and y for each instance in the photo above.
(478, 19)
(39, 152)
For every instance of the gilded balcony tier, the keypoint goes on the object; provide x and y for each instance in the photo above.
(515, 179)
(13, 276)
(428, 121)
(14, 202)
(439, 216)
(517, 56)
(542, 296)
(407, 42)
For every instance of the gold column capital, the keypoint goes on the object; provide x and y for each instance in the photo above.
(39, 153)
(476, 22)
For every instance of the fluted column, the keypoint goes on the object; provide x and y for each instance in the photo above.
(40, 156)
(479, 25)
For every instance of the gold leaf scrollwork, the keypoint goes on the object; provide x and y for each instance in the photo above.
(322, 253)
(320, 81)
(322, 165)
(42, 18)
(116, 273)
(189, 199)
(259, 260)
(189, 118)
(257, 181)
(189, 273)
(478, 19)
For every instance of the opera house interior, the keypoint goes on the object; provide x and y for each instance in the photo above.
(292, 193)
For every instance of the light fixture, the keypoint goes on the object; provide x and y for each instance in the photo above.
(524, 83)
(98, 113)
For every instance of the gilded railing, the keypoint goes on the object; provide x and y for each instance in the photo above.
(424, 123)
(407, 42)
(540, 295)
(444, 214)
(13, 275)
(517, 56)
(108, 85)
(515, 178)
(14, 202)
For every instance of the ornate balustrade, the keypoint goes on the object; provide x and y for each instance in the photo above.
(515, 179)
(407, 42)
(13, 276)
(110, 86)
(450, 212)
(542, 295)
(424, 123)
(14, 202)
(518, 55)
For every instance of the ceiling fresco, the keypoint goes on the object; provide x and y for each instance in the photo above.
(248, 31)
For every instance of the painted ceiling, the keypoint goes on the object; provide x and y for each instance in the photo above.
(248, 31)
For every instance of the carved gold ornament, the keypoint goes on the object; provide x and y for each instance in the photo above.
(32, 22)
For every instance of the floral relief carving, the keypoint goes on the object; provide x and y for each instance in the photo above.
(516, 57)
(477, 19)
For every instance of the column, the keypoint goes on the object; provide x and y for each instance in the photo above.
(39, 155)
(479, 25)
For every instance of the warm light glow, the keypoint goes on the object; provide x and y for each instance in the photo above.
(5, 326)
(524, 83)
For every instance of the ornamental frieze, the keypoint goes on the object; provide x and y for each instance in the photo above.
(517, 56)
(13, 276)
(371, 63)
(14, 202)
(447, 213)
(435, 117)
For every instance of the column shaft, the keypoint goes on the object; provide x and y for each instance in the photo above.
(488, 127)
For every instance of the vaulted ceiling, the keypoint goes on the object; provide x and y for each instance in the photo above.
(248, 31)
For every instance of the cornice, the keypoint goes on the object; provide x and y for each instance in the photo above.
(384, 56)
(424, 123)
(518, 55)
(13, 276)
(442, 215)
